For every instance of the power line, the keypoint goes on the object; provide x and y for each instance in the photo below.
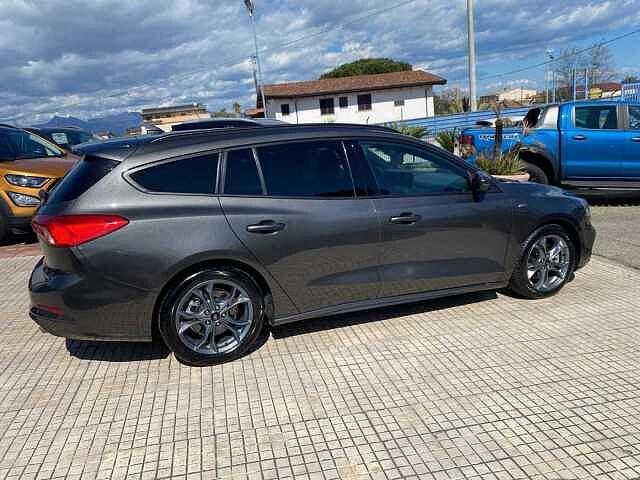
(562, 57)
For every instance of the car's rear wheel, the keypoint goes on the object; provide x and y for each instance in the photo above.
(547, 262)
(212, 316)
(536, 174)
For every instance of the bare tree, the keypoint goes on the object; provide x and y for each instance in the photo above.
(598, 60)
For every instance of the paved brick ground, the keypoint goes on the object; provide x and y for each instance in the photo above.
(480, 386)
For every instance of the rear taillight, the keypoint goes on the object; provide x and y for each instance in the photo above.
(73, 230)
(467, 147)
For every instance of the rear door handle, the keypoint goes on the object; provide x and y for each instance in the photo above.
(579, 137)
(635, 139)
(266, 226)
(405, 218)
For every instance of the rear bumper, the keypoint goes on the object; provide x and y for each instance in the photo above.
(71, 305)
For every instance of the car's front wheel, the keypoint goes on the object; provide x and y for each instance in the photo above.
(212, 316)
(546, 263)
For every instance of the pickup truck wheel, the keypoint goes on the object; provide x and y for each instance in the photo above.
(536, 174)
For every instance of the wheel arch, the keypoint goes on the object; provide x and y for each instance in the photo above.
(221, 263)
(540, 158)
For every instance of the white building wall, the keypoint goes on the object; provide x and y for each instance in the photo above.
(418, 103)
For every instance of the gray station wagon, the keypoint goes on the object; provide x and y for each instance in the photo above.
(208, 236)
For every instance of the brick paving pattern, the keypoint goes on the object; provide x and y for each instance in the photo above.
(478, 386)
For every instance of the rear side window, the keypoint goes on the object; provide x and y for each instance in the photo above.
(241, 174)
(597, 118)
(309, 169)
(84, 175)
(196, 175)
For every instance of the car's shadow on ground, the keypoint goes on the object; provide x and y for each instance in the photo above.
(378, 314)
(117, 351)
(610, 198)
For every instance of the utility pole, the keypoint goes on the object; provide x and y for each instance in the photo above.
(472, 56)
(251, 8)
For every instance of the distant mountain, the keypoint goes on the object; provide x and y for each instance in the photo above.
(117, 124)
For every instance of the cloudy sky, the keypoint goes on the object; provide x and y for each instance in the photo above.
(89, 58)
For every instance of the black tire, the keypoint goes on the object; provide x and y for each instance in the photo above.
(520, 283)
(168, 311)
(5, 231)
(536, 174)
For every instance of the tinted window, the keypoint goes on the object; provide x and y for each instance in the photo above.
(344, 102)
(191, 175)
(19, 144)
(634, 117)
(597, 118)
(84, 175)
(364, 102)
(284, 109)
(311, 169)
(241, 174)
(405, 170)
(326, 106)
(67, 139)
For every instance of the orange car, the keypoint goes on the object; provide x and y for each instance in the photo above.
(28, 164)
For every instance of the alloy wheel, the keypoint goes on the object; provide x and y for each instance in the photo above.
(548, 263)
(214, 317)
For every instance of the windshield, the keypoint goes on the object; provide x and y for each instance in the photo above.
(17, 144)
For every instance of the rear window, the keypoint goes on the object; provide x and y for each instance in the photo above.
(84, 175)
(196, 175)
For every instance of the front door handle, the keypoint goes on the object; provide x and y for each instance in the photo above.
(579, 137)
(635, 139)
(266, 226)
(405, 218)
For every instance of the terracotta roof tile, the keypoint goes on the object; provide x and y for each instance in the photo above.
(381, 81)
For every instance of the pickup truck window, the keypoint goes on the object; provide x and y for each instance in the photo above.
(634, 117)
(597, 117)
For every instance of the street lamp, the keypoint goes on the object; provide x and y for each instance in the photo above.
(251, 8)
(472, 56)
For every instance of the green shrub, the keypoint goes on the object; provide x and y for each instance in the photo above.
(446, 139)
(415, 131)
(507, 163)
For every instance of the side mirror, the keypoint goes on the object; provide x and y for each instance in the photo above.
(481, 182)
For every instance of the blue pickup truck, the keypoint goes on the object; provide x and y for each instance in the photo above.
(581, 144)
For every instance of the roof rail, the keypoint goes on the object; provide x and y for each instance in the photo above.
(230, 131)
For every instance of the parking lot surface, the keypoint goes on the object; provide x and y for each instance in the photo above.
(478, 386)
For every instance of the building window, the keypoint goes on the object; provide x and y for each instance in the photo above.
(326, 106)
(364, 102)
(398, 103)
(284, 109)
(344, 102)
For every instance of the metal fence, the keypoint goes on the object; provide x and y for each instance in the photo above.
(631, 92)
(458, 121)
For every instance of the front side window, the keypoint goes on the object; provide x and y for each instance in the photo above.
(597, 117)
(195, 175)
(241, 174)
(405, 170)
(364, 102)
(306, 169)
(326, 106)
(17, 144)
(634, 117)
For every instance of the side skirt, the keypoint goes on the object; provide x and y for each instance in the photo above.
(386, 302)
